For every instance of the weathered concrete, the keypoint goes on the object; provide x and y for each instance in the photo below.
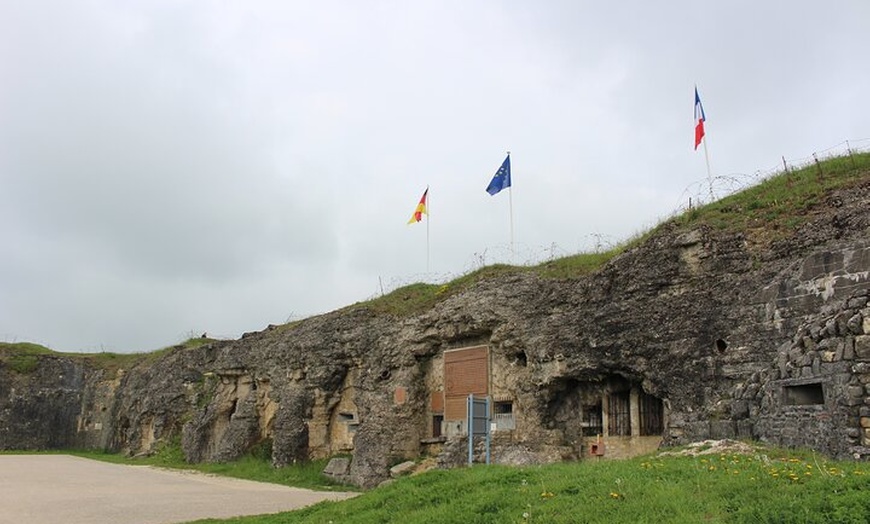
(48, 489)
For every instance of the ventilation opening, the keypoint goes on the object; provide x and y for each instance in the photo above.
(721, 345)
(503, 416)
(804, 395)
(522, 359)
(503, 408)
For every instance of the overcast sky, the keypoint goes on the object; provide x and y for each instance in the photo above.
(169, 168)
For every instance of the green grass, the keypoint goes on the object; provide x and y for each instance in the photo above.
(420, 297)
(779, 205)
(255, 465)
(769, 487)
(23, 357)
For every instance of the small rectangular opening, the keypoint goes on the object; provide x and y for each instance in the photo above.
(503, 416)
(437, 421)
(501, 408)
(804, 394)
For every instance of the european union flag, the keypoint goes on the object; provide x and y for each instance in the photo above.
(502, 178)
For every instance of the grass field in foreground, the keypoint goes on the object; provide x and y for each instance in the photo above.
(768, 486)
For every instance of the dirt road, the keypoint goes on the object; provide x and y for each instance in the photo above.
(47, 489)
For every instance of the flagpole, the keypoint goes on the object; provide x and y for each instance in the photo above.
(700, 118)
(511, 211)
(428, 218)
(511, 208)
(709, 172)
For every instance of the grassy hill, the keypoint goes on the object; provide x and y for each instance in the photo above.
(740, 485)
(774, 209)
(23, 357)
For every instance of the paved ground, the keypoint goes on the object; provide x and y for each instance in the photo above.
(43, 489)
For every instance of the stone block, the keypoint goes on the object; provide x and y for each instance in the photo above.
(862, 347)
(337, 468)
(831, 328)
(855, 324)
(740, 409)
(752, 391)
(865, 421)
(402, 469)
(848, 348)
(782, 365)
(830, 344)
(857, 302)
(720, 429)
(796, 355)
(745, 429)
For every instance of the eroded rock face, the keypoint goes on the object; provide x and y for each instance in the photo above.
(715, 334)
(39, 409)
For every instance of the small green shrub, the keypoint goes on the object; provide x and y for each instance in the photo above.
(23, 364)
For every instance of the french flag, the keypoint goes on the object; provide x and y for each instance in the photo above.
(699, 119)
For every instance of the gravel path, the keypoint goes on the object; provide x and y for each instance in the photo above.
(50, 489)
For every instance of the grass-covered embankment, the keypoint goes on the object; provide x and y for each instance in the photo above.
(768, 486)
(773, 209)
(23, 357)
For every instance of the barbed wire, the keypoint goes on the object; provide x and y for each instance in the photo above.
(698, 193)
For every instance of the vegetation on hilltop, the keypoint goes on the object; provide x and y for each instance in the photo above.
(23, 357)
(774, 209)
(781, 204)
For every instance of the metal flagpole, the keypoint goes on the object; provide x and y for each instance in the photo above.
(709, 173)
(511, 210)
(511, 204)
(428, 218)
